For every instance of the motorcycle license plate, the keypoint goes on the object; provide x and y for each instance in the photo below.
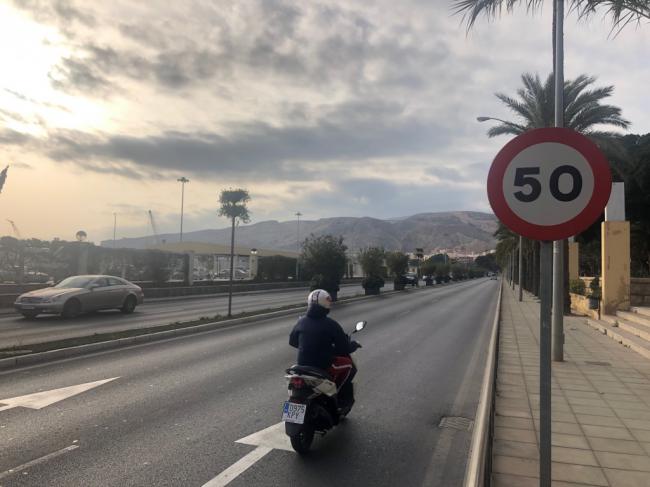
(293, 412)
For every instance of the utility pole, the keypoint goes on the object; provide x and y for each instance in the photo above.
(114, 227)
(182, 180)
(298, 215)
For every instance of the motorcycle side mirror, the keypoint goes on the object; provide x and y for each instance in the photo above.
(360, 326)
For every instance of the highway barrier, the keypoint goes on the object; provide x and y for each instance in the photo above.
(477, 473)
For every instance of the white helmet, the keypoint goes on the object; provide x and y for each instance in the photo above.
(319, 297)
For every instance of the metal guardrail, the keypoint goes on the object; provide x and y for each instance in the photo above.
(479, 461)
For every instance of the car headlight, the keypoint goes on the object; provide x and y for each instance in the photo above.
(51, 299)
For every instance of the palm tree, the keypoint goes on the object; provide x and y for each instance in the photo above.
(233, 206)
(622, 11)
(584, 110)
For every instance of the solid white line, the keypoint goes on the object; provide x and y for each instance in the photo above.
(36, 461)
(8, 406)
(239, 467)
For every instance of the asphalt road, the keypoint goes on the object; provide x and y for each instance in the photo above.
(176, 408)
(18, 331)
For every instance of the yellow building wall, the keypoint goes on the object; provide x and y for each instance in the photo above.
(615, 255)
(573, 260)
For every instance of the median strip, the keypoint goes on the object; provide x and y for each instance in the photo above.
(70, 347)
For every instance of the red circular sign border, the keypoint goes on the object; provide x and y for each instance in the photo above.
(595, 206)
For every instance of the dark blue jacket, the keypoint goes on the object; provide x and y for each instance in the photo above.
(319, 339)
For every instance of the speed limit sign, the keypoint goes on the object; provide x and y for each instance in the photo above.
(549, 184)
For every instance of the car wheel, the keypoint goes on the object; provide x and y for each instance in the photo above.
(71, 309)
(30, 315)
(129, 305)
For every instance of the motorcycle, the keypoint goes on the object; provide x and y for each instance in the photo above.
(313, 405)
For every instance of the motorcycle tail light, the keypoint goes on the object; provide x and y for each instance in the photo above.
(297, 382)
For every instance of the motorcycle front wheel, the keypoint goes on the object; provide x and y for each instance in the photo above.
(301, 441)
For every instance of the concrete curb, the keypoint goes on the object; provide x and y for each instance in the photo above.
(478, 460)
(40, 357)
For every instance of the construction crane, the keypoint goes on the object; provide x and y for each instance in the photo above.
(15, 228)
(153, 228)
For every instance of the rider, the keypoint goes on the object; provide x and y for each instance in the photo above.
(322, 343)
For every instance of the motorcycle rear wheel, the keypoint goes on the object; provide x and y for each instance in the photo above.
(301, 442)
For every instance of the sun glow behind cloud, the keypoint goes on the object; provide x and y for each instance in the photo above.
(29, 53)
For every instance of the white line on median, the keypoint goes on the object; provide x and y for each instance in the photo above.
(239, 467)
(36, 461)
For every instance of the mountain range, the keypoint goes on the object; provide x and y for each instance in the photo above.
(467, 231)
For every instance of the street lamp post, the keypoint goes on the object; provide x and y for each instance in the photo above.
(182, 180)
(298, 215)
(114, 227)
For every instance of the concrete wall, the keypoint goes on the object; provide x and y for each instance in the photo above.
(640, 291)
(580, 306)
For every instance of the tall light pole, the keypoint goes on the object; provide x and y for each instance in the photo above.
(114, 227)
(182, 180)
(298, 215)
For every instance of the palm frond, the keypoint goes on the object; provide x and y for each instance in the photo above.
(473, 9)
(622, 12)
(534, 107)
(506, 128)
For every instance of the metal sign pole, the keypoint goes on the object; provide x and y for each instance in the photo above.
(521, 267)
(545, 294)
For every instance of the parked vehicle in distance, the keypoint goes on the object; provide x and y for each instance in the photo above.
(81, 294)
(412, 279)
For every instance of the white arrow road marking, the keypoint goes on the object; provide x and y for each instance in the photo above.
(273, 437)
(266, 440)
(40, 400)
(36, 461)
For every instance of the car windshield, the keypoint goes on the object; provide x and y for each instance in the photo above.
(75, 282)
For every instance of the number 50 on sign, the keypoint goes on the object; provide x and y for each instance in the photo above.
(549, 184)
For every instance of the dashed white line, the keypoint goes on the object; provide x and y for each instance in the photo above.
(37, 461)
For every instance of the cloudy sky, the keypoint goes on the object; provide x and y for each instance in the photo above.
(332, 108)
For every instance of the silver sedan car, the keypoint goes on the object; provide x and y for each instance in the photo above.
(80, 294)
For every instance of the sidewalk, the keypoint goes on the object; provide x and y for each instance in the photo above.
(601, 406)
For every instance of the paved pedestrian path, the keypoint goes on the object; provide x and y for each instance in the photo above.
(600, 406)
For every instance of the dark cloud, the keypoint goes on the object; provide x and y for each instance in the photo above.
(21, 165)
(74, 74)
(12, 137)
(283, 46)
(34, 101)
(94, 69)
(256, 150)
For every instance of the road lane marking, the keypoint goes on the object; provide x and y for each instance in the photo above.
(266, 440)
(239, 467)
(37, 461)
(39, 400)
(272, 437)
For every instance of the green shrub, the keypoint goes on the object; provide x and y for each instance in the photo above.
(577, 286)
(372, 282)
(594, 287)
